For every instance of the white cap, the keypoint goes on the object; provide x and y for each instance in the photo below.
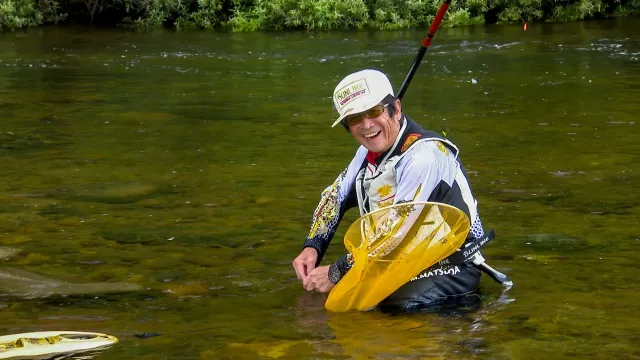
(360, 92)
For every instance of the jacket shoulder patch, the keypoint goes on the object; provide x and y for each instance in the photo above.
(410, 140)
(443, 148)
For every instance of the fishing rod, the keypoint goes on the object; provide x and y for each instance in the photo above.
(478, 259)
(423, 49)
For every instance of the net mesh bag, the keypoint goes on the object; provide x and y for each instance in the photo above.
(392, 245)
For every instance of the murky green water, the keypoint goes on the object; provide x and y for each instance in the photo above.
(189, 164)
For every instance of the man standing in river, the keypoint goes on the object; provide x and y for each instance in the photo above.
(398, 161)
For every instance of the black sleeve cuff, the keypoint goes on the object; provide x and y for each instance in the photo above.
(334, 273)
(340, 268)
(344, 263)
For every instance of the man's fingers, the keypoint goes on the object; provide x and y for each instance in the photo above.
(303, 267)
(307, 283)
(326, 287)
(300, 271)
(310, 266)
(305, 263)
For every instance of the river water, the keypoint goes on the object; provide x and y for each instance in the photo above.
(189, 163)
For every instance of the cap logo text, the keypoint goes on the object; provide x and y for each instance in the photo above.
(351, 91)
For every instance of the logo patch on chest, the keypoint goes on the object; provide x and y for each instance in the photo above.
(384, 190)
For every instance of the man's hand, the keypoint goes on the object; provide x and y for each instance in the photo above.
(305, 262)
(318, 280)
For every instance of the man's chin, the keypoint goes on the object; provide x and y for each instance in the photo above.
(376, 145)
(375, 149)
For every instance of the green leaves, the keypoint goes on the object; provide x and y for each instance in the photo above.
(300, 14)
(582, 9)
(254, 15)
(208, 15)
(521, 11)
(15, 14)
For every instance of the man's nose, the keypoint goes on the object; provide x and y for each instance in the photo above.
(367, 122)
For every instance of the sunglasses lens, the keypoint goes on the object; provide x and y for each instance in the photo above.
(372, 113)
(354, 119)
(375, 111)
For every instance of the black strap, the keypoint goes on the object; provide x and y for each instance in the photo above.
(467, 253)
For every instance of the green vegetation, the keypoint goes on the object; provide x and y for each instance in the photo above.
(252, 15)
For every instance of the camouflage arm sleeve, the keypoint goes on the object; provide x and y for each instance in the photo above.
(335, 200)
(326, 217)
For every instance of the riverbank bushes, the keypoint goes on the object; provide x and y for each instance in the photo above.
(253, 15)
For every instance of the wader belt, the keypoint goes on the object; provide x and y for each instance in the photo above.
(469, 251)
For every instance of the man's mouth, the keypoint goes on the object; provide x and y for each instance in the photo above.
(372, 135)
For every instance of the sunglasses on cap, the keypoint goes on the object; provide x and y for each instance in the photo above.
(372, 113)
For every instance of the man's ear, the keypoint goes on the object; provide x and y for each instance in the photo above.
(399, 109)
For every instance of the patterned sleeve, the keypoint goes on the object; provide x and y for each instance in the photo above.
(334, 202)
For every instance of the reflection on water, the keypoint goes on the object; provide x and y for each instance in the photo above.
(188, 164)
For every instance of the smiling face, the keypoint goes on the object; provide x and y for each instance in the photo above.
(378, 134)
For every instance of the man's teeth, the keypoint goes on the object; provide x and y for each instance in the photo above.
(369, 136)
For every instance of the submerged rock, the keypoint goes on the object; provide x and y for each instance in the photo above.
(554, 242)
(268, 349)
(111, 193)
(7, 253)
(25, 284)
(552, 238)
